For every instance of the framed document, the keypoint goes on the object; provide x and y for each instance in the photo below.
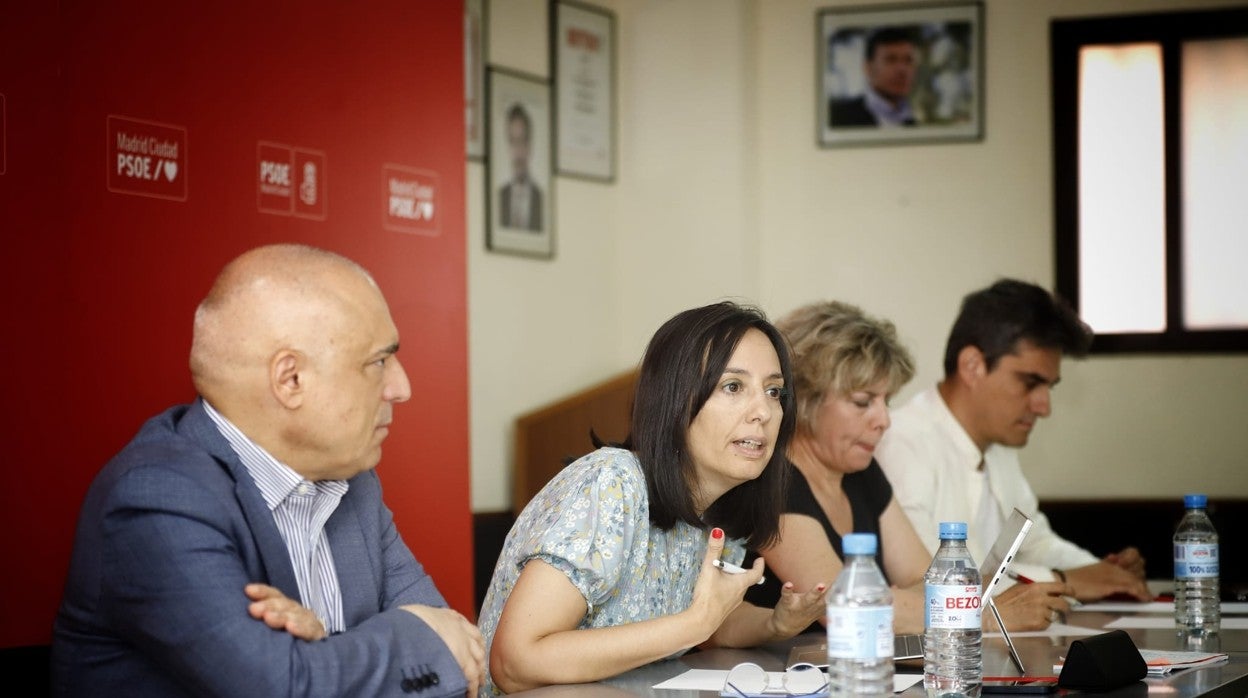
(474, 78)
(895, 74)
(520, 188)
(583, 66)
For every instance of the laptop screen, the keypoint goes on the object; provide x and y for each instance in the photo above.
(993, 567)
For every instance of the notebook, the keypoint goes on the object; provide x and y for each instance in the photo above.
(992, 570)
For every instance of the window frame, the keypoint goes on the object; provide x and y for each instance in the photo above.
(1169, 29)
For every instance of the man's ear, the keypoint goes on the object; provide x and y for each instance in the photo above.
(286, 378)
(971, 365)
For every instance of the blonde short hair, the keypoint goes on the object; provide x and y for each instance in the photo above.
(838, 349)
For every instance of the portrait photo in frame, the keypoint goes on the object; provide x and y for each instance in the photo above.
(519, 181)
(474, 78)
(583, 66)
(898, 74)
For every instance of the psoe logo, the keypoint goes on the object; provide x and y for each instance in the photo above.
(307, 186)
(309, 171)
(290, 180)
(273, 184)
(146, 158)
(410, 200)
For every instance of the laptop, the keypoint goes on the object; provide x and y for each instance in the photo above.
(992, 570)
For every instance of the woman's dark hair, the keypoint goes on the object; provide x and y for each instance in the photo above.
(681, 368)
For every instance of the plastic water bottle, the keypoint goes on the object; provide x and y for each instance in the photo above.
(1197, 603)
(860, 624)
(952, 659)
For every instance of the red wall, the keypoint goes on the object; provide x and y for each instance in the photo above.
(98, 287)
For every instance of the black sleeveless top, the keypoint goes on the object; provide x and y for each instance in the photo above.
(869, 494)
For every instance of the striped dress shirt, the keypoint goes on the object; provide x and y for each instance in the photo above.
(300, 508)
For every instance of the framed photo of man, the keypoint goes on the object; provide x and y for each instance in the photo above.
(896, 74)
(520, 187)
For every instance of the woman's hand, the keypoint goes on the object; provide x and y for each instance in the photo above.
(747, 625)
(795, 610)
(717, 593)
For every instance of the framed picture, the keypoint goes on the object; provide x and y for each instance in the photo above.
(474, 78)
(521, 190)
(896, 74)
(583, 66)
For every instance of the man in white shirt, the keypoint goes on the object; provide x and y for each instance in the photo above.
(952, 451)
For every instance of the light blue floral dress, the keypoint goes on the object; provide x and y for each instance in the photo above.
(592, 522)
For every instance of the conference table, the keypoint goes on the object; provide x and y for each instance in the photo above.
(1038, 654)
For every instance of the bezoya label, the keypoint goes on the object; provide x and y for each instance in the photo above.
(953, 606)
(1195, 560)
(860, 633)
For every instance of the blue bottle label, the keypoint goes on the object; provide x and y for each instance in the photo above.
(1195, 560)
(860, 633)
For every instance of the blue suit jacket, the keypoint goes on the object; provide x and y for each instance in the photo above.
(170, 532)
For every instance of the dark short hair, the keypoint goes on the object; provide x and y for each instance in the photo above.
(997, 318)
(891, 35)
(681, 369)
(517, 112)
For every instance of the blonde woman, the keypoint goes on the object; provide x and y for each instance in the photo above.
(846, 367)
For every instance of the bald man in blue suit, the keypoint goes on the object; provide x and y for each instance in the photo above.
(239, 545)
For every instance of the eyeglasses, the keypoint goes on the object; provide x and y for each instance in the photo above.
(749, 679)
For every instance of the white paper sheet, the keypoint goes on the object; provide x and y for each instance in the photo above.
(903, 681)
(1129, 607)
(713, 680)
(697, 680)
(1054, 630)
(1228, 607)
(1163, 622)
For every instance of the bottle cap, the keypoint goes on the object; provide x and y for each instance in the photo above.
(953, 530)
(858, 543)
(1195, 501)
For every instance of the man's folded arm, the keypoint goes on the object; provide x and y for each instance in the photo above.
(176, 559)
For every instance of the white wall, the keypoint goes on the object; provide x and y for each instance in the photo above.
(722, 192)
(537, 329)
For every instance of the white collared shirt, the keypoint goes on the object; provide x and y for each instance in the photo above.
(885, 113)
(933, 466)
(300, 509)
(520, 195)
